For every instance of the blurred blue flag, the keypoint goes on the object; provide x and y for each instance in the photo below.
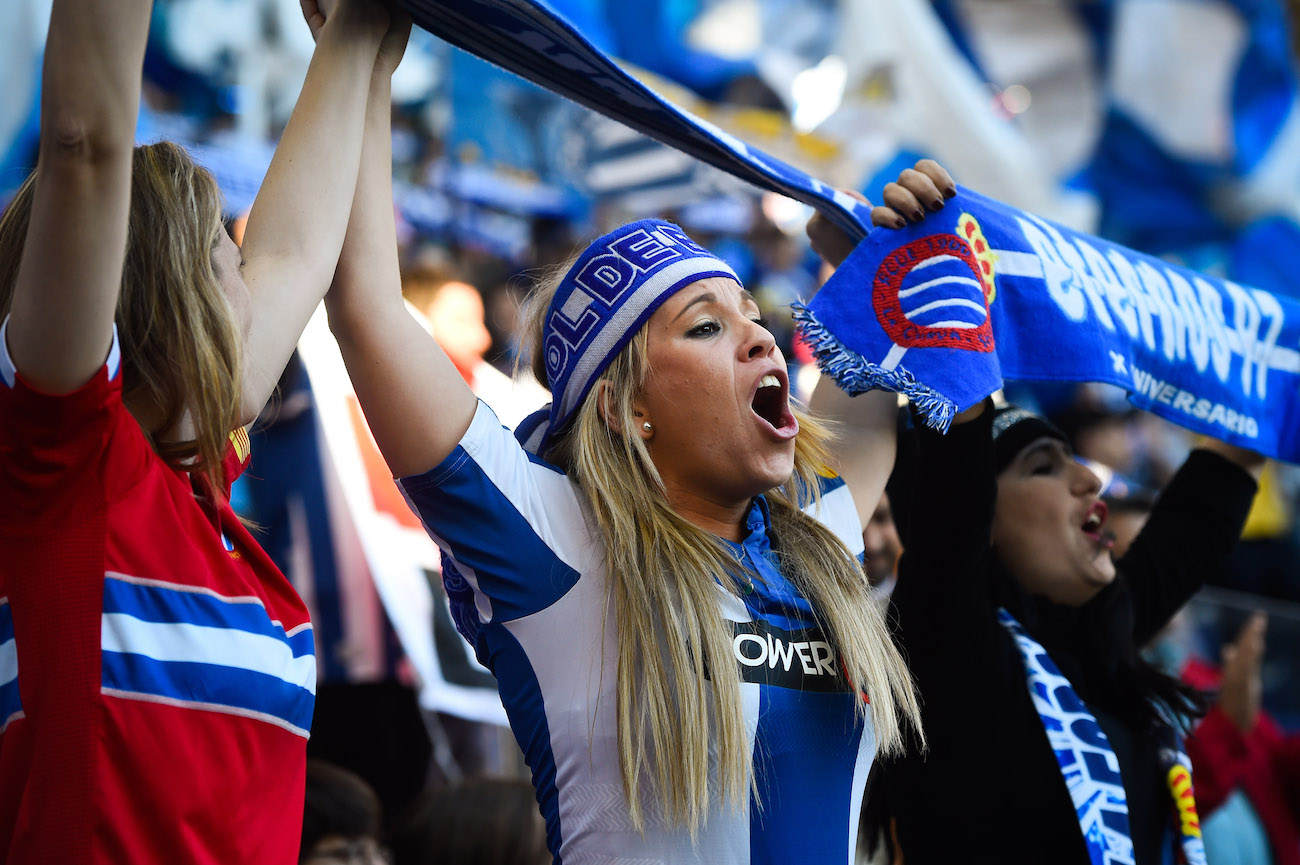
(1201, 141)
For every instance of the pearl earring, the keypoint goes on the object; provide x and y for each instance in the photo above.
(646, 426)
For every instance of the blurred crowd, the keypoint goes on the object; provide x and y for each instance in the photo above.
(496, 185)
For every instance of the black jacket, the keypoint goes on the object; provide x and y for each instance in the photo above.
(989, 788)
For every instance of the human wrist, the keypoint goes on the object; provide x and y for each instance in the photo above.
(974, 412)
(381, 80)
(364, 21)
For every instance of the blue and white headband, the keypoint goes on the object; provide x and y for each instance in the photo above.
(612, 289)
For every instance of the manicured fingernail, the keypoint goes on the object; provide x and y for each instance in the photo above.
(950, 191)
(936, 204)
(898, 221)
(918, 215)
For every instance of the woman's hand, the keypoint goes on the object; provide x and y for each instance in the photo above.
(394, 44)
(314, 12)
(927, 185)
(1251, 462)
(1239, 689)
(317, 12)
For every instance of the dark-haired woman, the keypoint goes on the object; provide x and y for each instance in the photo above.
(1050, 739)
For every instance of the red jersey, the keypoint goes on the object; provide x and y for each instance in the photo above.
(157, 671)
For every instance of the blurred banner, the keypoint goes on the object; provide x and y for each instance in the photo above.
(383, 548)
(22, 40)
(1189, 143)
(1206, 119)
(909, 92)
(503, 124)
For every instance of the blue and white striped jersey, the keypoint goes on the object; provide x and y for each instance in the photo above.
(529, 589)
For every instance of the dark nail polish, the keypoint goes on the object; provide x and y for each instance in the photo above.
(950, 192)
(936, 205)
(918, 215)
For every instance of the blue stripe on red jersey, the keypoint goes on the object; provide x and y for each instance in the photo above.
(218, 688)
(151, 601)
(11, 705)
(188, 646)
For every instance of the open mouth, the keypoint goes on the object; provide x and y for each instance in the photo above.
(772, 405)
(1094, 526)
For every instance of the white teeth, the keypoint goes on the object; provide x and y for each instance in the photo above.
(1093, 522)
(769, 380)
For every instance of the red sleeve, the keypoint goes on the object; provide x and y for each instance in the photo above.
(54, 450)
(1219, 760)
(1284, 753)
(1287, 756)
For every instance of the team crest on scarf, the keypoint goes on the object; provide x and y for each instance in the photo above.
(935, 291)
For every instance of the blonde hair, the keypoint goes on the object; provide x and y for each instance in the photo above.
(678, 686)
(179, 342)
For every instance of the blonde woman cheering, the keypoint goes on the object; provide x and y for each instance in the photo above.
(665, 578)
(157, 673)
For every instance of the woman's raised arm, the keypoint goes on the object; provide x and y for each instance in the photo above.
(61, 319)
(415, 401)
(297, 224)
(866, 445)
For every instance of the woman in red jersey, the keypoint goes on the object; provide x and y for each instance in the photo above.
(157, 673)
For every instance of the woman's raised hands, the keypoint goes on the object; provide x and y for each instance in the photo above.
(317, 12)
(393, 46)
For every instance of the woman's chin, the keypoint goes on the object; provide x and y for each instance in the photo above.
(1102, 573)
(778, 476)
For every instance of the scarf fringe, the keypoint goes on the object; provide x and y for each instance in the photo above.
(857, 375)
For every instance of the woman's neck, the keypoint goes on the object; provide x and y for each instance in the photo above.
(726, 519)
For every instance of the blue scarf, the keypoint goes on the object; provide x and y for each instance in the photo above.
(917, 311)
(1206, 354)
(1089, 767)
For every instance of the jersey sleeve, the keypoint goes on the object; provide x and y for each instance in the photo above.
(943, 601)
(1191, 530)
(511, 523)
(838, 512)
(53, 447)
